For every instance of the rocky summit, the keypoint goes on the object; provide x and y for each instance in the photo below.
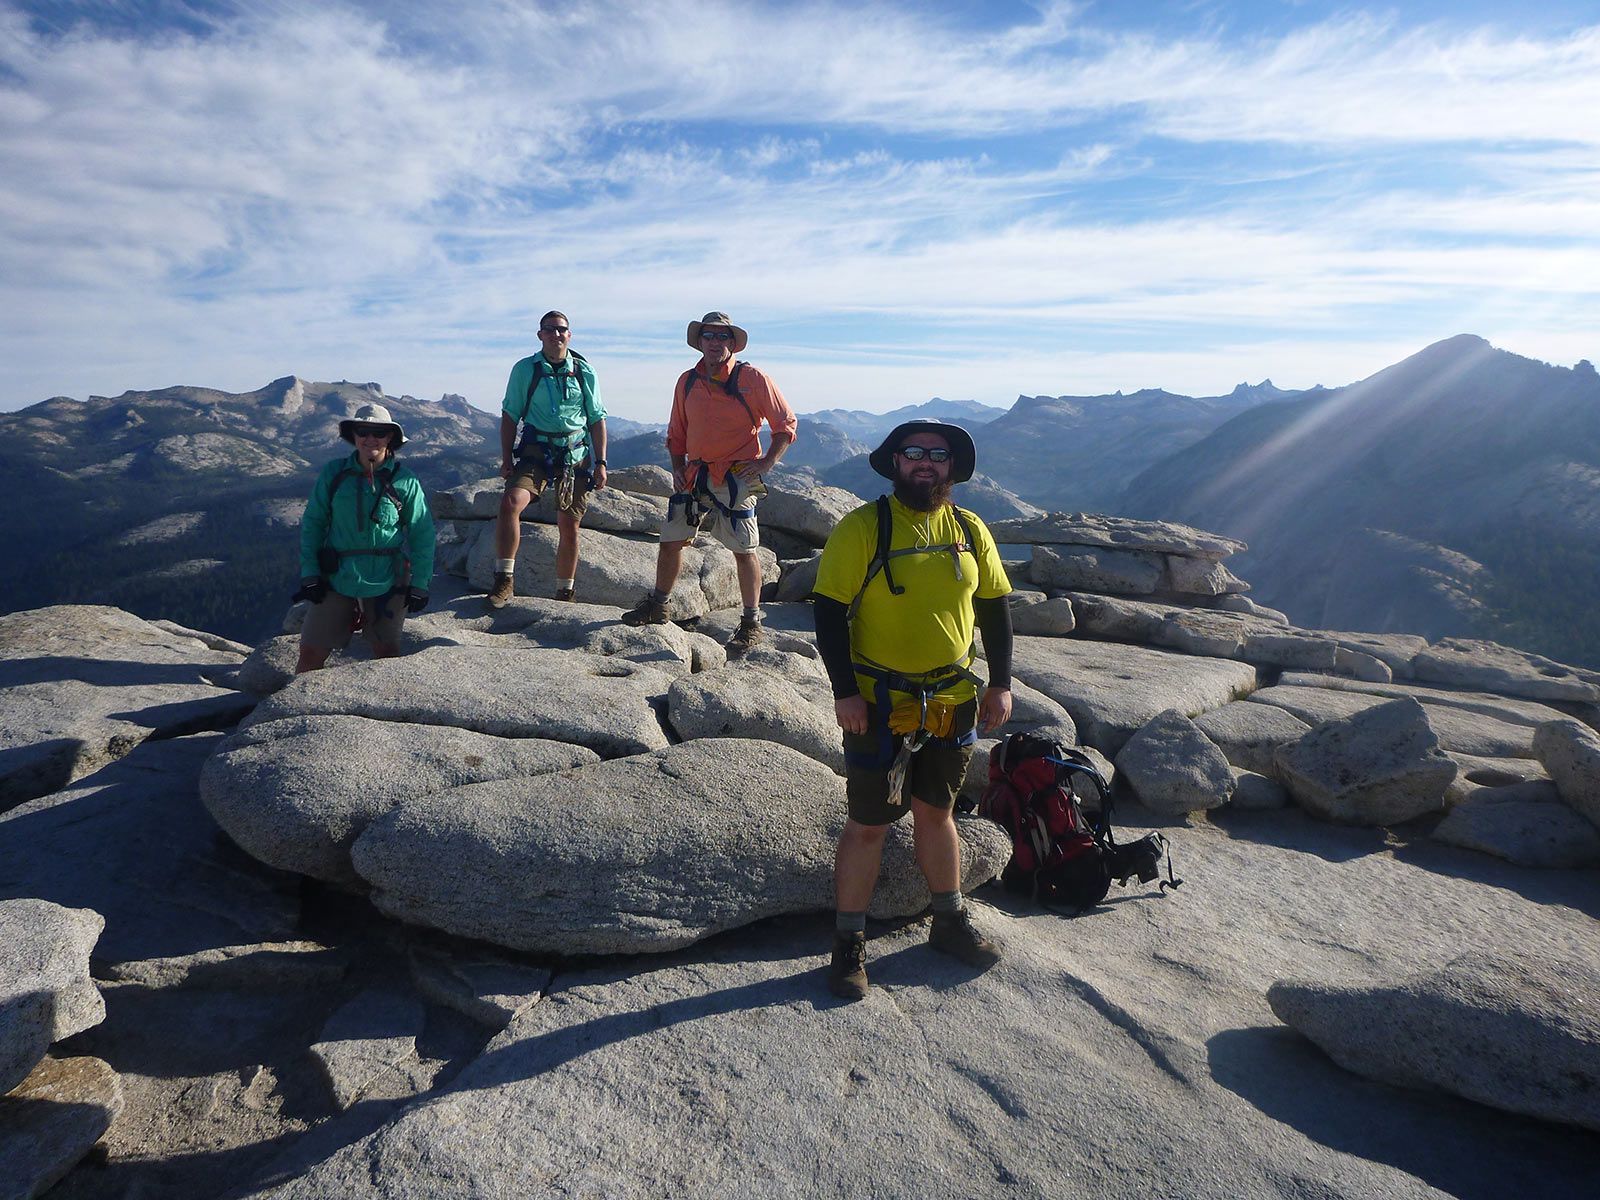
(543, 906)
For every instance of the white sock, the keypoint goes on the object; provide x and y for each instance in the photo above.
(505, 566)
(566, 584)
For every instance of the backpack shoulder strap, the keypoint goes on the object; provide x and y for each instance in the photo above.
(880, 558)
(964, 519)
(732, 388)
(539, 366)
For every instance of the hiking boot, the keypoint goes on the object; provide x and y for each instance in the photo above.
(648, 611)
(570, 593)
(954, 934)
(847, 974)
(501, 592)
(748, 634)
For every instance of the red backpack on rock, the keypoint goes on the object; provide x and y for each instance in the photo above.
(1061, 854)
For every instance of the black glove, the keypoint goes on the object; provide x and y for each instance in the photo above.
(313, 589)
(416, 601)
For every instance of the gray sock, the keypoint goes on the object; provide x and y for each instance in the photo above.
(658, 594)
(753, 614)
(947, 902)
(850, 922)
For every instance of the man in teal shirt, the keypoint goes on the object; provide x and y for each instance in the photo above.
(555, 400)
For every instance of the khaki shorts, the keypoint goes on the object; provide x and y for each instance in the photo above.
(935, 775)
(328, 625)
(530, 473)
(737, 532)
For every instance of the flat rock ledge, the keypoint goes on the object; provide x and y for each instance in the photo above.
(1515, 1031)
(642, 854)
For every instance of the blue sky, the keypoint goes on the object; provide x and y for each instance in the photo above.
(899, 201)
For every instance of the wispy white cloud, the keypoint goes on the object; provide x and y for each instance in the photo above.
(384, 193)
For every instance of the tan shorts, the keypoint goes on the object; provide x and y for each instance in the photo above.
(737, 531)
(530, 473)
(328, 625)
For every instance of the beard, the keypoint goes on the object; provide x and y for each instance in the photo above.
(922, 496)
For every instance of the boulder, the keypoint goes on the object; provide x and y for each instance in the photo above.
(798, 577)
(1378, 767)
(1118, 618)
(1174, 768)
(1111, 690)
(1491, 667)
(1257, 793)
(1395, 650)
(1515, 1031)
(1119, 533)
(81, 685)
(565, 695)
(746, 700)
(1234, 602)
(46, 993)
(368, 1048)
(645, 479)
(598, 629)
(642, 854)
(1201, 577)
(1035, 614)
(52, 1120)
(808, 511)
(617, 570)
(1293, 650)
(297, 792)
(1086, 568)
(1204, 631)
(1570, 751)
(1460, 729)
(1524, 823)
(1360, 665)
(1249, 734)
(611, 509)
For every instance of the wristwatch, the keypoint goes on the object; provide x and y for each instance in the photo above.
(599, 462)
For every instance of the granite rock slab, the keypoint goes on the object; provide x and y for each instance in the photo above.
(1570, 752)
(638, 855)
(1090, 569)
(562, 695)
(46, 993)
(1515, 1031)
(1381, 766)
(297, 792)
(809, 512)
(81, 685)
(1524, 823)
(1249, 734)
(1119, 533)
(1174, 768)
(52, 1120)
(1491, 667)
(1111, 690)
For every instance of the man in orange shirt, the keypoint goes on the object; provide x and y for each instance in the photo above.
(717, 464)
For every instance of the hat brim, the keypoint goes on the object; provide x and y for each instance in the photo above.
(396, 439)
(964, 455)
(741, 339)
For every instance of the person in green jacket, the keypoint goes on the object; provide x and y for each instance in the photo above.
(366, 544)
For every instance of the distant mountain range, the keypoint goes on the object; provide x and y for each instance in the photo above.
(1457, 492)
(1454, 493)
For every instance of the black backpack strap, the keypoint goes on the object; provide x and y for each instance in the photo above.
(880, 559)
(732, 388)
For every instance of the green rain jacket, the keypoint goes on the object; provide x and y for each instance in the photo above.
(361, 515)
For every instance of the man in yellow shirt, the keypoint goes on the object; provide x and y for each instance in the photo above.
(895, 633)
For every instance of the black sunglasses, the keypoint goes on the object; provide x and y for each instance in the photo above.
(554, 329)
(370, 431)
(918, 453)
(715, 335)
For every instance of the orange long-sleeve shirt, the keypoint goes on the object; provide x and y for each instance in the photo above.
(708, 425)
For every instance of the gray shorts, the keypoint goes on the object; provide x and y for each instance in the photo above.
(328, 625)
(737, 531)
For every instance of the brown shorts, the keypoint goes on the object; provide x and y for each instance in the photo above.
(327, 625)
(737, 532)
(935, 775)
(530, 473)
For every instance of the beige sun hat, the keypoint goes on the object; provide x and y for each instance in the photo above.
(741, 339)
(372, 414)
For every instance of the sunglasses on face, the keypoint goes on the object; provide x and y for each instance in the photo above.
(918, 453)
(715, 335)
(557, 329)
(370, 431)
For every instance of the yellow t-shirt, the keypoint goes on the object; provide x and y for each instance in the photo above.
(930, 624)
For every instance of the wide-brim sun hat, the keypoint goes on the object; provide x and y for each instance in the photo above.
(963, 454)
(741, 339)
(372, 414)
